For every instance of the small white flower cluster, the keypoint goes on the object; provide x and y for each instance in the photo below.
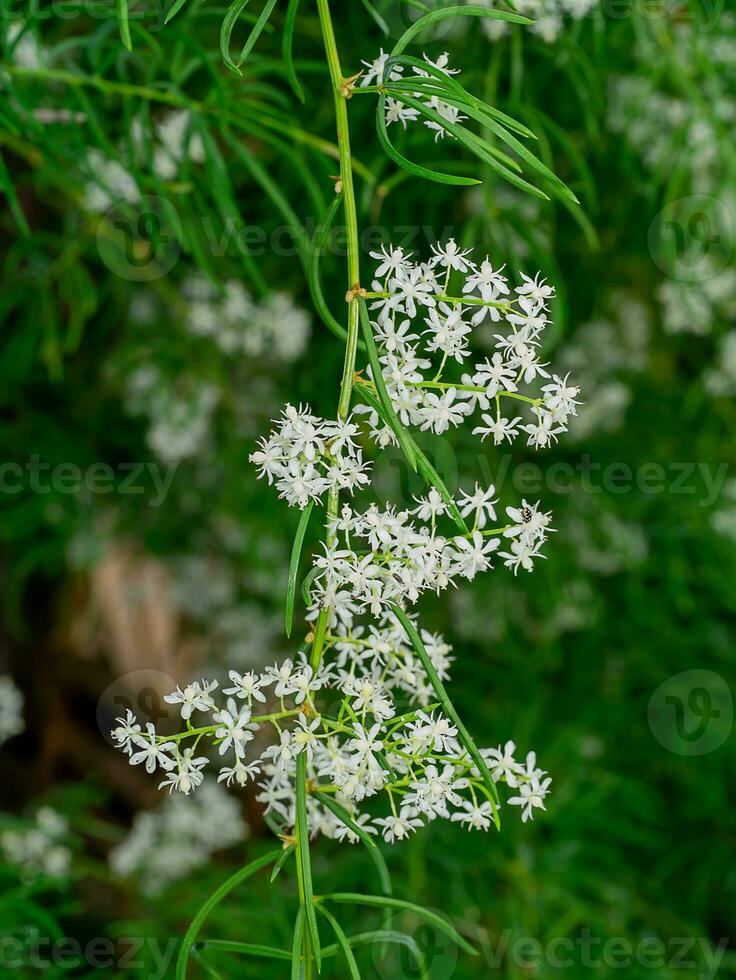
(39, 850)
(180, 417)
(723, 518)
(396, 111)
(406, 292)
(11, 709)
(25, 49)
(698, 307)
(720, 380)
(358, 749)
(307, 456)
(660, 119)
(174, 142)
(548, 16)
(387, 556)
(109, 183)
(274, 327)
(167, 844)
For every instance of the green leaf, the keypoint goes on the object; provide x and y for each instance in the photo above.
(445, 92)
(383, 395)
(256, 32)
(296, 949)
(313, 279)
(385, 878)
(14, 204)
(121, 8)
(376, 17)
(287, 49)
(435, 16)
(478, 146)
(413, 168)
(424, 466)
(308, 579)
(305, 865)
(343, 943)
(344, 817)
(447, 705)
(288, 851)
(384, 936)
(294, 565)
(246, 949)
(378, 901)
(174, 10)
(226, 30)
(212, 902)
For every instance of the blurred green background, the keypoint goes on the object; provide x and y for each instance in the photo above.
(155, 315)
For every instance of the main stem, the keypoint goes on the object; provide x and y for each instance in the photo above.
(340, 92)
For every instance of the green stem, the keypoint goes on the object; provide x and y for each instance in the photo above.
(445, 385)
(455, 300)
(341, 91)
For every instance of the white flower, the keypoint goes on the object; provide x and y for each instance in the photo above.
(521, 555)
(399, 827)
(187, 776)
(398, 112)
(451, 256)
(476, 817)
(304, 735)
(528, 522)
(375, 73)
(495, 375)
(194, 697)
(502, 764)
(247, 686)
(126, 731)
(535, 289)
(500, 428)
(439, 412)
(283, 753)
(480, 504)
(473, 553)
(151, 751)
(543, 432)
(531, 797)
(240, 773)
(233, 728)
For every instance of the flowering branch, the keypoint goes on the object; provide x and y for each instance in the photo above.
(362, 712)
